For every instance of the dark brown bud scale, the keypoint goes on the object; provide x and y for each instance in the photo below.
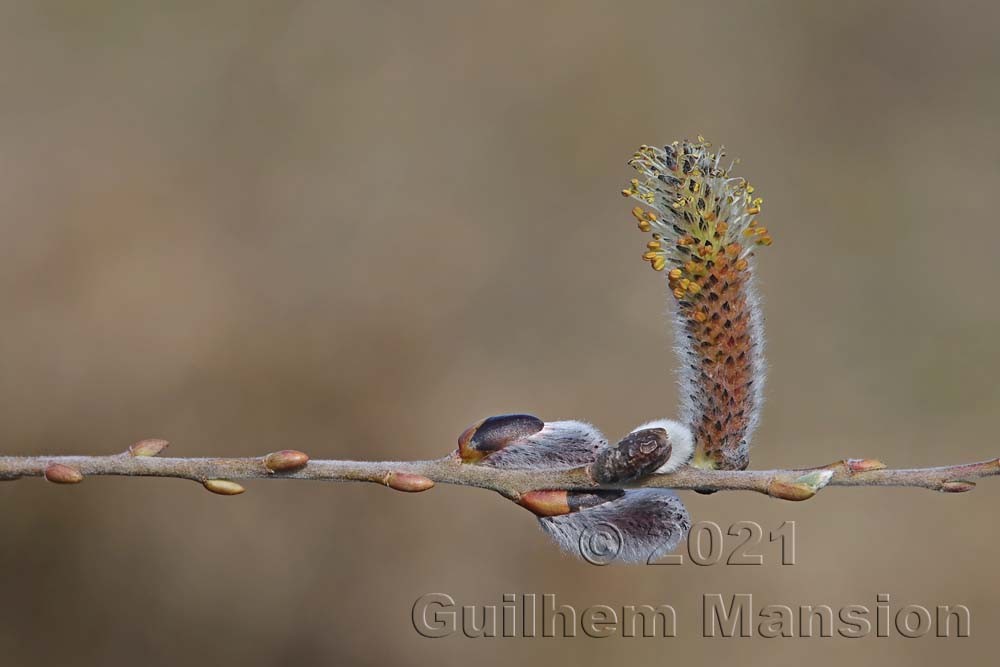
(637, 455)
(494, 433)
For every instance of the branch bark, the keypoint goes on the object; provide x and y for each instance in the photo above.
(218, 474)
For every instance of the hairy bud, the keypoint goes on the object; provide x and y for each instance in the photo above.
(637, 455)
(494, 433)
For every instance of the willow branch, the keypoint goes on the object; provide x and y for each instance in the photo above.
(218, 474)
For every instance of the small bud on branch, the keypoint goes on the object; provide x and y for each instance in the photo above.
(149, 447)
(60, 474)
(285, 460)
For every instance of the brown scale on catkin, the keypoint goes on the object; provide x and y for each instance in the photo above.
(704, 229)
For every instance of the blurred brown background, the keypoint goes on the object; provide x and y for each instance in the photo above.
(356, 227)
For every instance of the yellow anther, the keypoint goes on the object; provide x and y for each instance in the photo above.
(694, 288)
(638, 213)
(653, 245)
(766, 240)
(679, 293)
(684, 283)
(659, 263)
(753, 210)
(644, 226)
(674, 274)
(742, 265)
(650, 256)
(699, 316)
(685, 240)
(722, 227)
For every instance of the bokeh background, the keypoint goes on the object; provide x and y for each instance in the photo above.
(354, 228)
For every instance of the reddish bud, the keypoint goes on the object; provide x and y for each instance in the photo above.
(864, 465)
(556, 502)
(286, 459)
(957, 486)
(408, 482)
(60, 474)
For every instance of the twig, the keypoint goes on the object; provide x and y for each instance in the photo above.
(216, 474)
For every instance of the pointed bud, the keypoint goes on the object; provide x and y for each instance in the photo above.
(285, 460)
(148, 447)
(60, 474)
(494, 433)
(223, 487)
(956, 486)
(638, 454)
(864, 465)
(408, 482)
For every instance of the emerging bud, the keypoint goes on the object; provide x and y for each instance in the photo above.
(494, 433)
(556, 502)
(148, 447)
(285, 460)
(803, 487)
(60, 474)
(408, 482)
(789, 491)
(638, 454)
(223, 487)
